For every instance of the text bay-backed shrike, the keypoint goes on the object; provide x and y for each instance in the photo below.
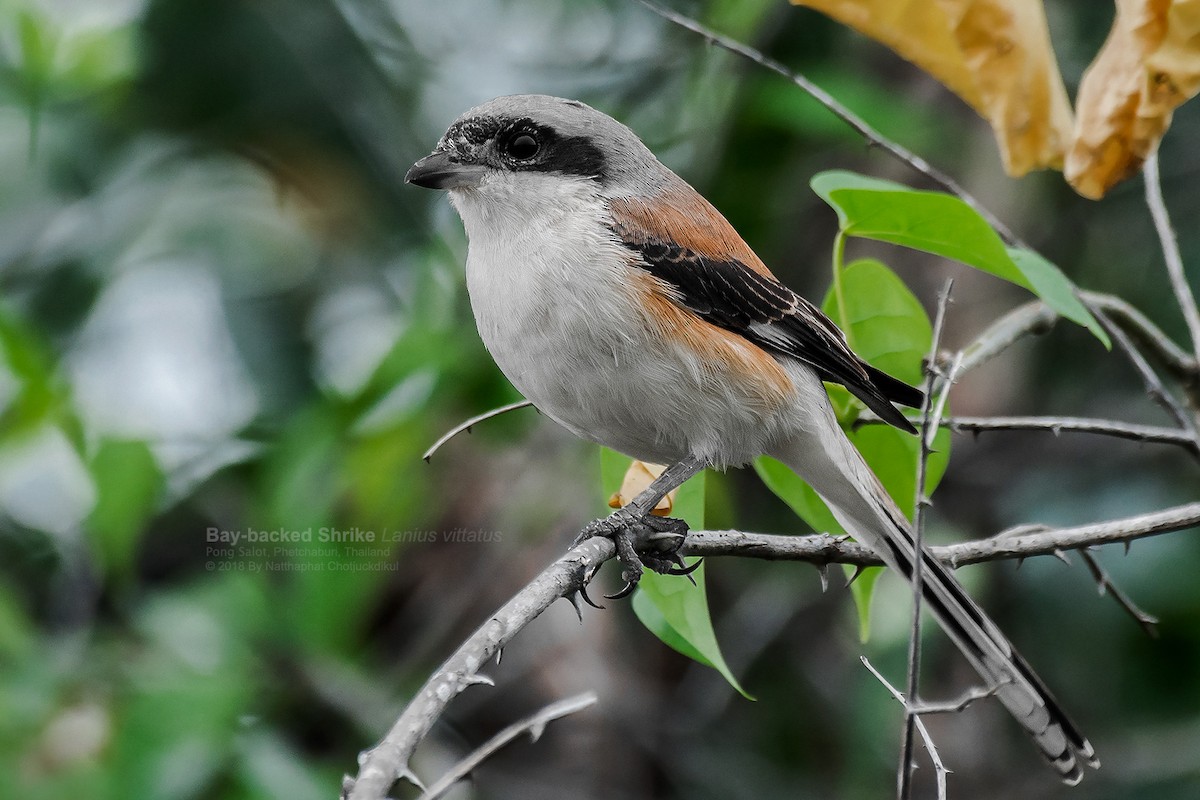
(626, 308)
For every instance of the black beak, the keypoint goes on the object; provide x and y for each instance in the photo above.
(437, 171)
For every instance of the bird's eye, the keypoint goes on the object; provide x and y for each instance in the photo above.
(523, 147)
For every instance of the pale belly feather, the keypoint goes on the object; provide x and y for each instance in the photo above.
(556, 313)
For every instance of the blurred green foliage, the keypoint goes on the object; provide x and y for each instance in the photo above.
(221, 312)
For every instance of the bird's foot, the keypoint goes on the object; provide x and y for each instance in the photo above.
(642, 542)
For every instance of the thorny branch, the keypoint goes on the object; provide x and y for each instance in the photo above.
(1104, 583)
(466, 425)
(389, 760)
(534, 725)
(1181, 366)
(912, 718)
(1150, 380)
(931, 410)
(823, 549)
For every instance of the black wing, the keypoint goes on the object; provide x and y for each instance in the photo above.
(732, 296)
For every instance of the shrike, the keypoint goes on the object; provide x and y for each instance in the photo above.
(626, 308)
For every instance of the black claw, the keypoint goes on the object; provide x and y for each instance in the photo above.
(682, 569)
(621, 595)
(583, 593)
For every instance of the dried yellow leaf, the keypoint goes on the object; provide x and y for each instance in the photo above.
(994, 54)
(637, 479)
(1149, 64)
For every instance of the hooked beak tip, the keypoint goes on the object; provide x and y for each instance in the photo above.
(437, 171)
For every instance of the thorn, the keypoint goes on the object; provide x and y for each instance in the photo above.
(858, 570)
(823, 574)
(427, 459)
(499, 655)
(1128, 544)
(407, 774)
(476, 678)
(1061, 556)
(573, 599)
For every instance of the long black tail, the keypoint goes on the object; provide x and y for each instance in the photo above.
(835, 469)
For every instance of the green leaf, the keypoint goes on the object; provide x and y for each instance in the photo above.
(1050, 284)
(668, 605)
(129, 485)
(885, 322)
(862, 590)
(944, 225)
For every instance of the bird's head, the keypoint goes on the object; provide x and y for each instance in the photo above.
(535, 144)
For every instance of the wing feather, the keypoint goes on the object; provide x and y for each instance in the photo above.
(746, 299)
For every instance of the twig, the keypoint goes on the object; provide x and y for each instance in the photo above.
(470, 423)
(1057, 425)
(534, 724)
(826, 549)
(873, 137)
(1170, 248)
(1032, 318)
(1148, 335)
(1105, 584)
(1150, 380)
(968, 697)
(931, 409)
(939, 768)
(388, 761)
(1035, 317)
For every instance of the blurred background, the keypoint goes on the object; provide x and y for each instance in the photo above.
(222, 311)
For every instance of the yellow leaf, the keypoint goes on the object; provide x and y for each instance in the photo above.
(1149, 65)
(638, 478)
(994, 54)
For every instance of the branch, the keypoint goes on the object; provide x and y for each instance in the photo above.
(1170, 248)
(1105, 584)
(825, 549)
(1033, 318)
(388, 761)
(931, 412)
(1057, 425)
(1150, 380)
(1148, 335)
(913, 717)
(470, 423)
(534, 724)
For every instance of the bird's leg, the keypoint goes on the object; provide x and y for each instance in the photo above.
(636, 531)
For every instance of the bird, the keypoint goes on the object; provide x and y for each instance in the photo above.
(626, 308)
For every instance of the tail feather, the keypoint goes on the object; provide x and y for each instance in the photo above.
(835, 469)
